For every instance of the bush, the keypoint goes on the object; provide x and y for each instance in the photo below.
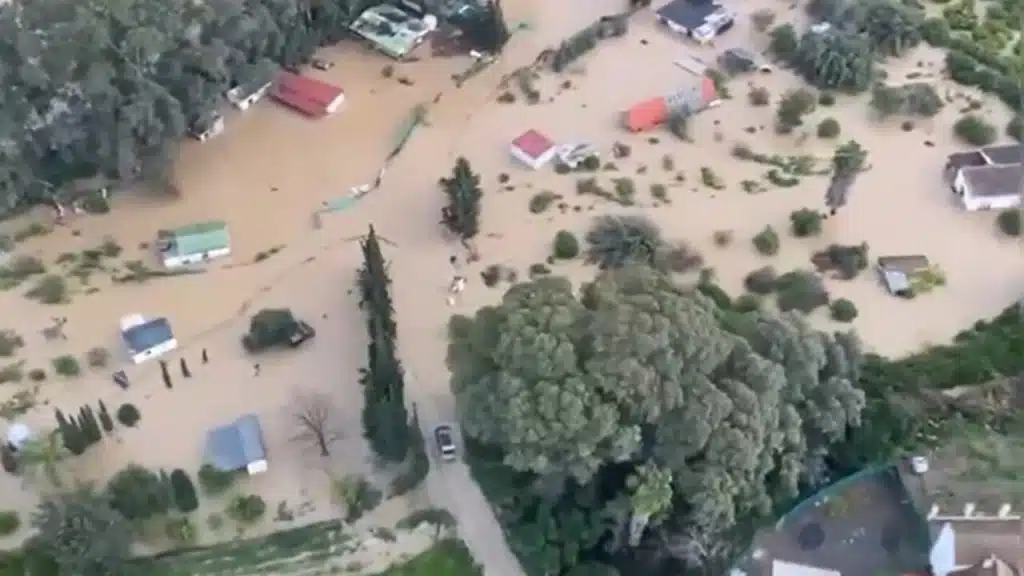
(50, 289)
(541, 201)
(214, 481)
(614, 241)
(747, 303)
(184, 491)
(767, 241)
(98, 357)
(827, 99)
(805, 222)
(9, 460)
(356, 495)
(10, 342)
(679, 258)
(828, 128)
(9, 522)
(1009, 222)
(128, 415)
(138, 493)
(269, 327)
(715, 292)
(1015, 128)
(435, 516)
(565, 246)
(848, 260)
(784, 42)
(67, 365)
(181, 530)
(761, 281)
(974, 130)
(843, 310)
(759, 96)
(12, 373)
(801, 290)
(793, 106)
(37, 374)
(246, 508)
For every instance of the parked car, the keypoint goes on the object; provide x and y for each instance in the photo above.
(445, 442)
(303, 331)
(321, 64)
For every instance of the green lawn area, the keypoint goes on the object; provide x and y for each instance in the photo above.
(446, 558)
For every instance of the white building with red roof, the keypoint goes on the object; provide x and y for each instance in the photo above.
(533, 149)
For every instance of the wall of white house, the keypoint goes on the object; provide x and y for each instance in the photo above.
(535, 163)
(974, 203)
(155, 351)
(192, 259)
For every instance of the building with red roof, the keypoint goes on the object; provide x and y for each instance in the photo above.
(533, 149)
(309, 96)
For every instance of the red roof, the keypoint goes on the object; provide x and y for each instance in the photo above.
(707, 90)
(533, 143)
(307, 95)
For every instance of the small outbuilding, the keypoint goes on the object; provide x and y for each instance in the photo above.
(898, 272)
(533, 149)
(194, 244)
(238, 446)
(243, 96)
(147, 338)
(207, 126)
(740, 60)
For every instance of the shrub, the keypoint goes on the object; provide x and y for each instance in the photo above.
(23, 266)
(843, 310)
(679, 258)
(759, 96)
(436, 516)
(1009, 222)
(98, 357)
(784, 42)
(128, 415)
(37, 374)
(184, 491)
(801, 290)
(356, 495)
(8, 459)
(246, 508)
(9, 522)
(12, 373)
(1015, 128)
(541, 201)
(848, 260)
(828, 128)
(138, 493)
(761, 281)
(67, 365)
(269, 327)
(715, 292)
(214, 481)
(747, 303)
(793, 106)
(614, 241)
(827, 99)
(974, 130)
(722, 238)
(805, 222)
(767, 241)
(181, 530)
(538, 269)
(50, 289)
(10, 341)
(565, 246)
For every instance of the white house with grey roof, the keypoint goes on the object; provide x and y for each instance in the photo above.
(147, 338)
(989, 178)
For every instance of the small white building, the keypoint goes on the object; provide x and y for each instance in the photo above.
(533, 149)
(207, 127)
(989, 178)
(245, 95)
(194, 244)
(147, 338)
(701, 20)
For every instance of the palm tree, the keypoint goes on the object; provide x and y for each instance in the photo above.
(847, 163)
(44, 453)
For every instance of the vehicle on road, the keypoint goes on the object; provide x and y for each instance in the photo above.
(445, 442)
(303, 331)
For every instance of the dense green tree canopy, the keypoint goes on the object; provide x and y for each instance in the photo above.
(736, 409)
(83, 534)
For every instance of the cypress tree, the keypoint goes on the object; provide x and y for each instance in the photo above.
(105, 420)
(90, 428)
(462, 214)
(71, 434)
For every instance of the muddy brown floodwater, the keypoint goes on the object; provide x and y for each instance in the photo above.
(271, 170)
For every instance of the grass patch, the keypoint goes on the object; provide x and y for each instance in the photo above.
(67, 365)
(32, 230)
(541, 201)
(282, 552)
(18, 404)
(660, 193)
(12, 373)
(50, 289)
(10, 342)
(19, 269)
(447, 558)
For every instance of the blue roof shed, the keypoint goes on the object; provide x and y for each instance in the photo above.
(237, 446)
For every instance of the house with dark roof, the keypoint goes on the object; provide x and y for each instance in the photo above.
(147, 338)
(237, 446)
(701, 20)
(989, 178)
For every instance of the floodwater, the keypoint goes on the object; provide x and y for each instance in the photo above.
(272, 169)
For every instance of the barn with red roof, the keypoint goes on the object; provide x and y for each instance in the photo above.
(306, 95)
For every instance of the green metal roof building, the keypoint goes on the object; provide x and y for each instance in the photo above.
(194, 244)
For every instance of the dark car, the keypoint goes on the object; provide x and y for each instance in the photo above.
(445, 442)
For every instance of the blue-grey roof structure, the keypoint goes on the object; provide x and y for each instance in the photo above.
(689, 14)
(148, 335)
(236, 445)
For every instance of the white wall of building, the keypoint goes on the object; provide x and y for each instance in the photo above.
(155, 351)
(974, 203)
(191, 259)
(535, 163)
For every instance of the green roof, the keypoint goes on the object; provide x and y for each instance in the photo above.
(199, 238)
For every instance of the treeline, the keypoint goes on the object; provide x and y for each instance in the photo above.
(100, 89)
